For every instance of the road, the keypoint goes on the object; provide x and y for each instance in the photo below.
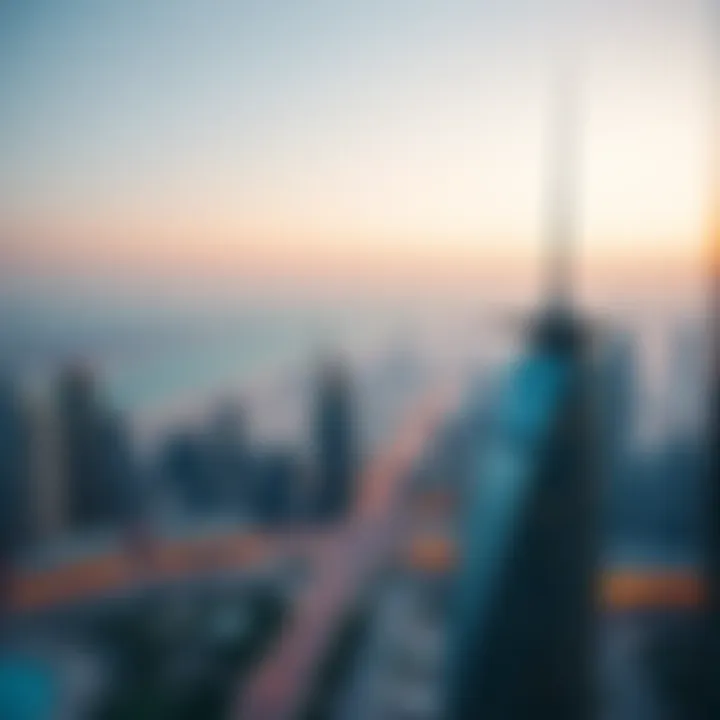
(121, 571)
(344, 566)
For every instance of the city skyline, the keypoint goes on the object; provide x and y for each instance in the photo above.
(186, 138)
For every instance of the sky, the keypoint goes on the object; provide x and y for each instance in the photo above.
(346, 139)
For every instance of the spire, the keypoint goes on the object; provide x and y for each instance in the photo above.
(557, 328)
(562, 157)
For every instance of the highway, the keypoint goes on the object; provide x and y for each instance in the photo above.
(122, 571)
(343, 568)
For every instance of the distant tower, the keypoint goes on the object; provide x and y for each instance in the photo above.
(93, 453)
(118, 474)
(335, 442)
(620, 401)
(228, 457)
(278, 477)
(16, 512)
(522, 645)
(32, 501)
(616, 421)
(46, 474)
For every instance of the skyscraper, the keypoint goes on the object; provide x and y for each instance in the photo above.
(278, 476)
(184, 464)
(618, 405)
(208, 469)
(228, 455)
(15, 491)
(46, 473)
(522, 642)
(335, 440)
(92, 452)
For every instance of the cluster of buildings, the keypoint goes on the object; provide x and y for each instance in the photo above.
(218, 469)
(68, 466)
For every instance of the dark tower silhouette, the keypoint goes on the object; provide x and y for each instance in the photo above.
(228, 455)
(522, 645)
(335, 442)
(278, 478)
(93, 453)
(15, 482)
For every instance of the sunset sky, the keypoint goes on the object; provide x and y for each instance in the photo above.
(330, 137)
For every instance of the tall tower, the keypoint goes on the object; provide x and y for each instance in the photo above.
(561, 198)
(335, 442)
(228, 456)
(47, 479)
(522, 646)
(93, 453)
(16, 512)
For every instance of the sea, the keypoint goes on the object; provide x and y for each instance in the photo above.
(164, 359)
(163, 364)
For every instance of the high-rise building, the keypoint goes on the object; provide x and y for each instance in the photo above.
(277, 478)
(16, 512)
(33, 493)
(46, 474)
(92, 453)
(117, 465)
(686, 393)
(336, 451)
(617, 404)
(522, 644)
(228, 455)
(209, 470)
(184, 465)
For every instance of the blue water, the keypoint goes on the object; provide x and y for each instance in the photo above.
(202, 363)
(149, 357)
